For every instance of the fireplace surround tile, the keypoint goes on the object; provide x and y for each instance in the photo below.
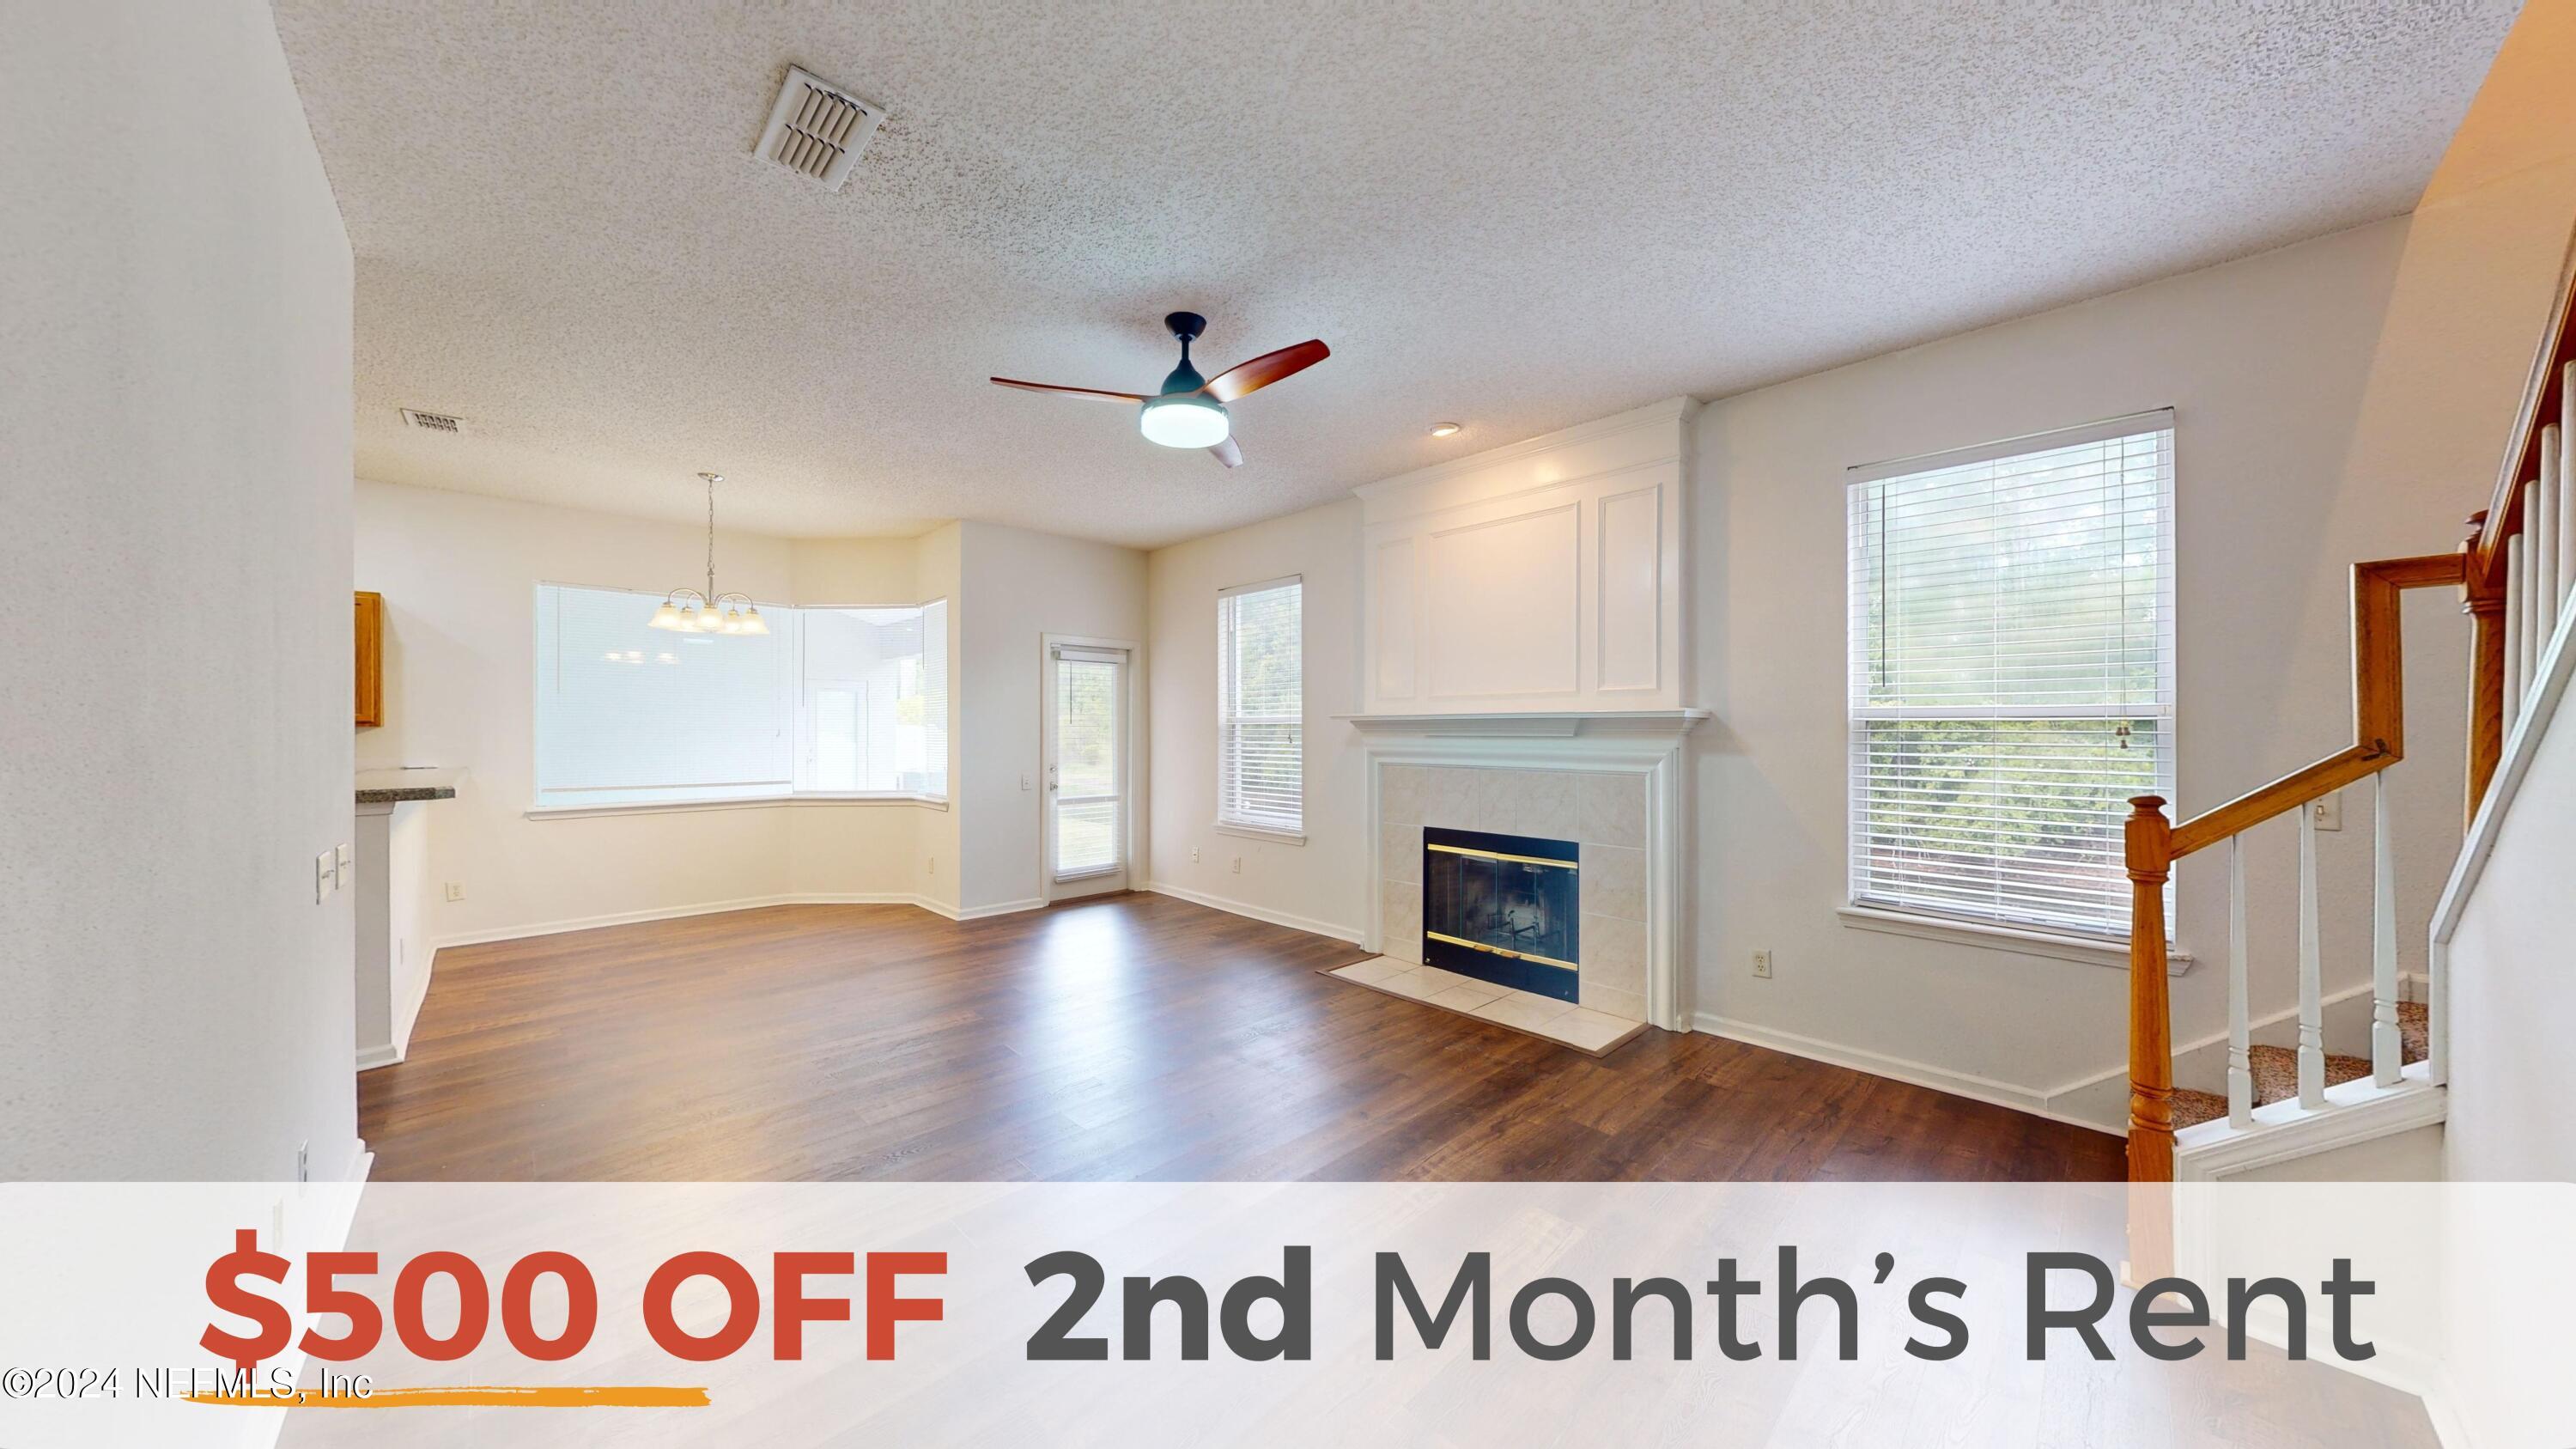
(1400, 846)
(1614, 881)
(1614, 952)
(1613, 810)
(1610, 783)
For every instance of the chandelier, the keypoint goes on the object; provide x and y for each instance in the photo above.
(689, 611)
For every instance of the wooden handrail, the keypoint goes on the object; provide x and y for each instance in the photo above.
(2151, 845)
(2378, 705)
(2541, 401)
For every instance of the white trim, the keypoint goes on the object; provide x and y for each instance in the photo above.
(716, 908)
(2355, 1112)
(406, 1015)
(1131, 666)
(731, 802)
(978, 913)
(1265, 586)
(2022, 941)
(2153, 420)
(1260, 832)
(1897, 1069)
(2540, 706)
(1307, 924)
(2442, 1405)
(1646, 744)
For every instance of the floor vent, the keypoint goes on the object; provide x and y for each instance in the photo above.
(447, 423)
(817, 128)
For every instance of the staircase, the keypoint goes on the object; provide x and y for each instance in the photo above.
(2516, 577)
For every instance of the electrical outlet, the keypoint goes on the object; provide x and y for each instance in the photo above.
(1238, 865)
(325, 878)
(1762, 964)
(2329, 811)
(930, 865)
(456, 890)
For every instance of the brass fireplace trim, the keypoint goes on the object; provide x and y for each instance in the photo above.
(1498, 855)
(1497, 950)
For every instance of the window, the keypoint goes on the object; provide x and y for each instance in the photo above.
(1260, 728)
(830, 702)
(2011, 674)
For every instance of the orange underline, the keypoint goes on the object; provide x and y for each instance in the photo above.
(497, 1396)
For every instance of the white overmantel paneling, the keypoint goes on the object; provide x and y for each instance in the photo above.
(1542, 577)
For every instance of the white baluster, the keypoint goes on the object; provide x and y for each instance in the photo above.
(2542, 526)
(2240, 1029)
(2514, 630)
(2312, 1006)
(2567, 488)
(2387, 1049)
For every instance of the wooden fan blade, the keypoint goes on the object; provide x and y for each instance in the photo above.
(1260, 372)
(1123, 397)
(1228, 454)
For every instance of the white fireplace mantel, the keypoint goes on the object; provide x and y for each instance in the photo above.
(1642, 744)
(1626, 724)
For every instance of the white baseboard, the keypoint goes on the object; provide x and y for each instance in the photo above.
(1005, 908)
(1308, 924)
(1920, 1074)
(406, 1013)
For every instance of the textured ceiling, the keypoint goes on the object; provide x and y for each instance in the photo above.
(1515, 215)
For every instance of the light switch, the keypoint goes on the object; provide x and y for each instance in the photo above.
(324, 878)
(344, 864)
(1024, 782)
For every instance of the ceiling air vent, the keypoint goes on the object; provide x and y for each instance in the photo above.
(817, 128)
(447, 423)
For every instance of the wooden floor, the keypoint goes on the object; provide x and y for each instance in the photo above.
(1132, 1037)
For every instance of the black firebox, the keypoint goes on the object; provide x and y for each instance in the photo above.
(1502, 908)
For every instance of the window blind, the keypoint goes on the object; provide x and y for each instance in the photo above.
(831, 701)
(2011, 674)
(1261, 706)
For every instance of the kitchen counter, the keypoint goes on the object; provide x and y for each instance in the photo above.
(392, 787)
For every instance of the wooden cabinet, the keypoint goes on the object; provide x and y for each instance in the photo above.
(371, 658)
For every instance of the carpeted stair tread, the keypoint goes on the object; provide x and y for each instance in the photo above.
(2276, 1071)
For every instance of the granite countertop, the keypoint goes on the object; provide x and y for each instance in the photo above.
(392, 787)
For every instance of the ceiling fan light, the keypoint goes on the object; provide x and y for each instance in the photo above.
(1186, 421)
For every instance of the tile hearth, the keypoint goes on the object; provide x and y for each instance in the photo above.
(1594, 1032)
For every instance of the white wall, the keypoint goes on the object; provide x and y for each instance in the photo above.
(1019, 586)
(2264, 361)
(1321, 885)
(2513, 998)
(459, 575)
(174, 450)
(2495, 225)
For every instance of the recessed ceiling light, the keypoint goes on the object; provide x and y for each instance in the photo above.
(1445, 430)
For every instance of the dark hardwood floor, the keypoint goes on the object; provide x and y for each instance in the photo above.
(1131, 1037)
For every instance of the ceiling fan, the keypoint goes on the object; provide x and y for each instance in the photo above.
(1190, 410)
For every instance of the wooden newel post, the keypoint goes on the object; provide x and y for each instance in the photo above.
(2150, 859)
(2151, 1131)
(2485, 608)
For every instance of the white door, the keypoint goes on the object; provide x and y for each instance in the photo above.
(1086, 770)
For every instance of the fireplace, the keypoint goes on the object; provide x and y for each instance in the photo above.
(1502, 908)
